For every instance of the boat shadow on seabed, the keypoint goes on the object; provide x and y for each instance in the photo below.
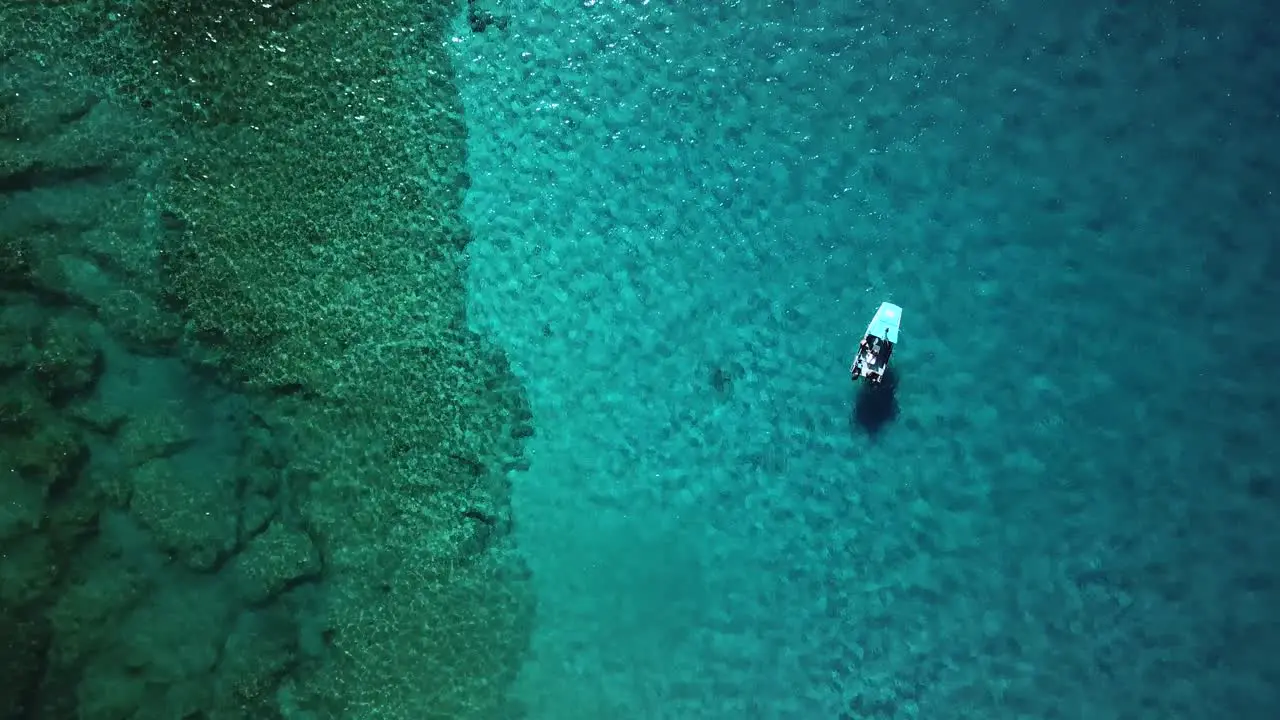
(875, 404)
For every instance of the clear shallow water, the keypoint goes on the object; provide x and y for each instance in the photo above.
(242, 474)
(685, 216)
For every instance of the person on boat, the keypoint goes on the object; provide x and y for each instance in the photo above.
(872, 360)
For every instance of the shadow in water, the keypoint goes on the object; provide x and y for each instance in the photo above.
(875, 406)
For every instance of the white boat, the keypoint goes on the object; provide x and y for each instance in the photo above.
(877, 344)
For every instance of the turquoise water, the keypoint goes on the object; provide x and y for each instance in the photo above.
(488, 360)
(685, 215)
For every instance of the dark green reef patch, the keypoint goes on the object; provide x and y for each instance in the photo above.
(253, 463)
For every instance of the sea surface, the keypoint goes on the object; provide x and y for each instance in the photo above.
(685, 215)
(489, 360)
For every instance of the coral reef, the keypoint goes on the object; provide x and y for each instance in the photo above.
(245, 434)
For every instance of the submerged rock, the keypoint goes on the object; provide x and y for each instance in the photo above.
(191, 514)
(279, 557)
(68, 362)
